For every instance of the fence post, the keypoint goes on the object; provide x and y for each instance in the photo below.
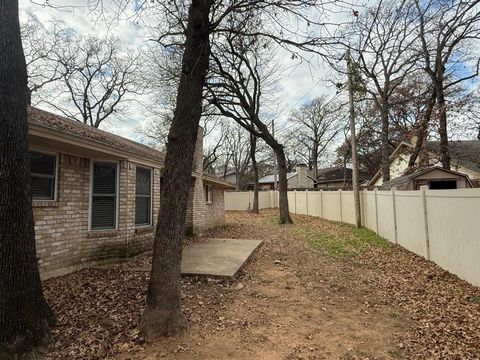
(250, 200)
(321, 204)
(395, 236)
(341, 207)
(306, 201)
(425, 218)
(295, 199)
(376, 210)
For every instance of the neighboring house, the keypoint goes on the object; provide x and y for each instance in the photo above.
(334, 178)
(96, 195)
(465, 159)
(299, 179)
(231, 177)
(435, 177)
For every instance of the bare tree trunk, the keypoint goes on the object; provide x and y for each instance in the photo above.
(422, 130)
(25, 317)
(253, 149)
(442, 114)
(163, 315)
(315, 161)
(282, 186)
(384, 140)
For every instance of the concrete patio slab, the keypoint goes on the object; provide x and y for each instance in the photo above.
(221, 258)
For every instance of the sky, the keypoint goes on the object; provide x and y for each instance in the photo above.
(300, 83)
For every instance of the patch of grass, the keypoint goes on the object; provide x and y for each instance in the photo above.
(274, 219)
(370, 237)
(475, 299)
(342, 239)
(395, 353)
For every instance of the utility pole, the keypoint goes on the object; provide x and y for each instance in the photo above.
(353, 144)
(275, 169)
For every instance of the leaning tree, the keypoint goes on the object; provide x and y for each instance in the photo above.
(193, 26)
(25, 317)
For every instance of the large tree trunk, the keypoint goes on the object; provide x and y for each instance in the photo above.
(384, 140)
(315, 161)
(163, 315)
(24, 314)
(282, 185)
(422, 131)
(253, 149)
(442, 119)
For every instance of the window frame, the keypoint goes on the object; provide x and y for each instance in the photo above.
(117, 193)
(56, 172)
(209, 194)
(151, 196)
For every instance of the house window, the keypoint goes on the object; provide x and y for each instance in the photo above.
(43, 169)
(208, 194)
(104, 196)
(143, 197)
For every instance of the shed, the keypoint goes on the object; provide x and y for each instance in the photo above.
(435, 177)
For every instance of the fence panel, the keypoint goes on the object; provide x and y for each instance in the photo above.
(454, 231)
(315, 203)
(265, 199)
(385, 211)
(369, 210)
(410, 221)
(348, 208)
(331, 205)
(301, 202)
(237, 200)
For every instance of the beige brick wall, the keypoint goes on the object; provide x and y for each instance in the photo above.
(64, 241)
(214, 212)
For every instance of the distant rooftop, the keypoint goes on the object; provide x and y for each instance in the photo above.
(269, 179)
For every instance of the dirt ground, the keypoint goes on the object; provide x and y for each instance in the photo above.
(314, 290)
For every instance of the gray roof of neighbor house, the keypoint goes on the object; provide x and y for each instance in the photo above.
(269, 179)
(335, 173)
(216, 180)
(401, 183)
(77, 129)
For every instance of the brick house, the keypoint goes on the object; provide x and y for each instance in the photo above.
(96, 195)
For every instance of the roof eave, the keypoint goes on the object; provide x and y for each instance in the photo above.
(46, 132)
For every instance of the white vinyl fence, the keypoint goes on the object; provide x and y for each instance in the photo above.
(441, 225)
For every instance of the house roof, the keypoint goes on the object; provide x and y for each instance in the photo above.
(398, 150)
(269, 179)
(88, 135)
(216, 180)
(335, 173)
(465, 153)
(401, 183)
